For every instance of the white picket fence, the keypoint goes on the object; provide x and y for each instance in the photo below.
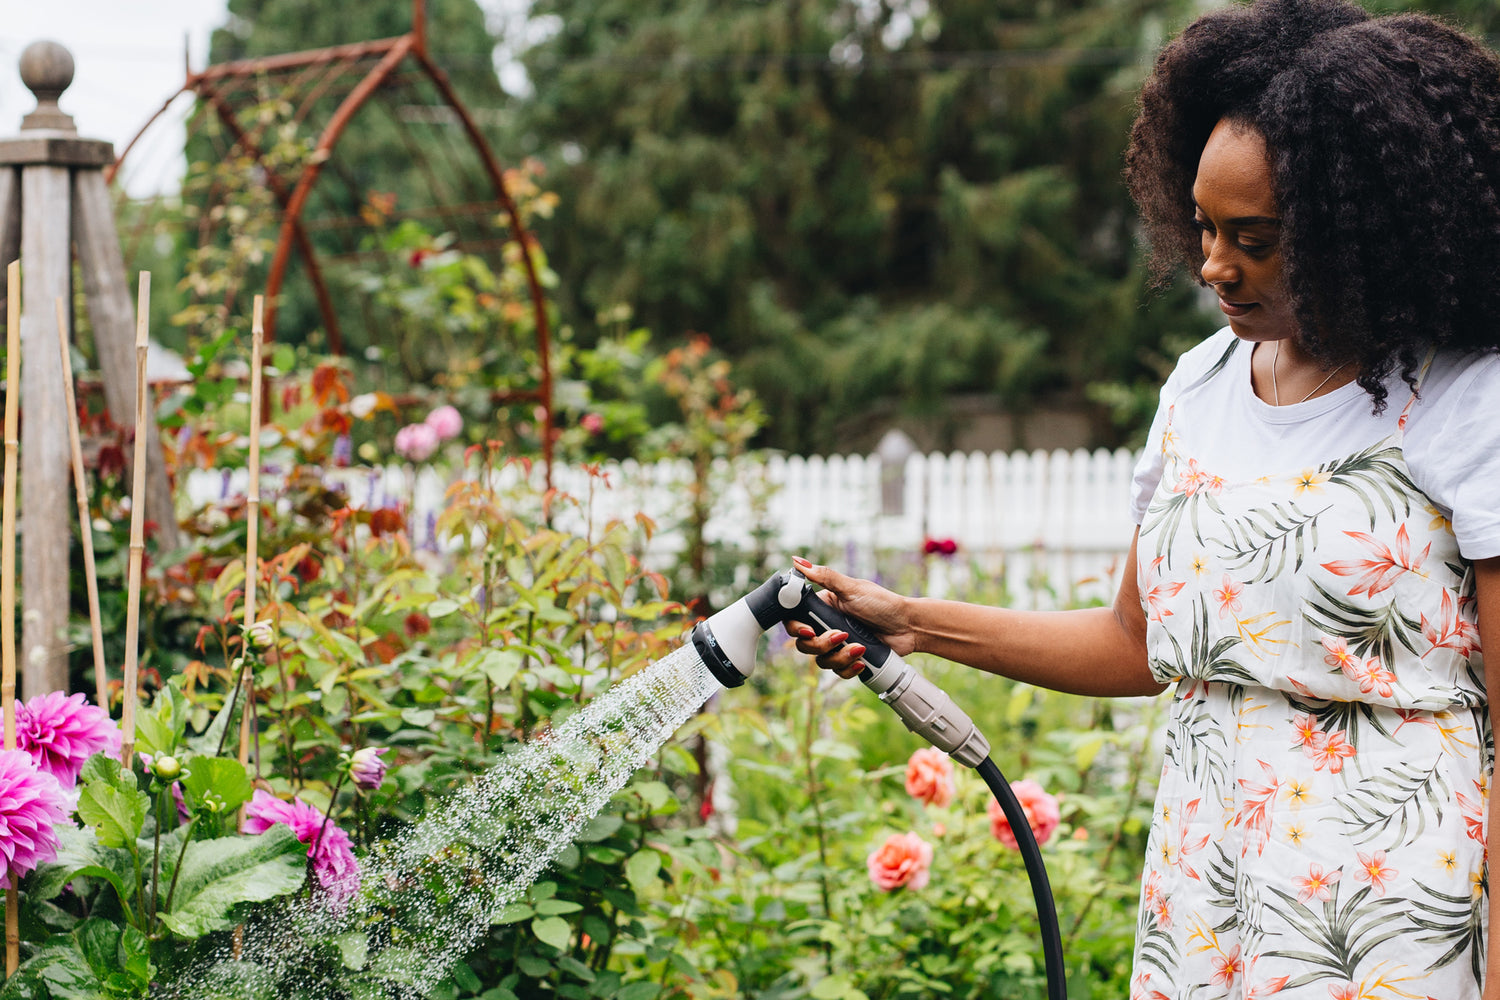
(1052, 525)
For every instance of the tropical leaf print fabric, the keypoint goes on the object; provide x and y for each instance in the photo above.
(1320, 826)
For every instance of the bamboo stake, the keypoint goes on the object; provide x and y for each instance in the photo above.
(137, 523)
(85, 522)
(8, 572)
(252, 525)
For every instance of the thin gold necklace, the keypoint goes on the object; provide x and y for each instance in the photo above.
(1276, 396)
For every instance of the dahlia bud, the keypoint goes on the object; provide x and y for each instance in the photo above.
(260, 635)
(166, 767)
(366, 767)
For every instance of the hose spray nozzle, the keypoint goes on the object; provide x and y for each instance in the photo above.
(726, 641)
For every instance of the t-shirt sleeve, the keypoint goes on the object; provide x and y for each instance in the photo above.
(1148, 467)
(1463, 462)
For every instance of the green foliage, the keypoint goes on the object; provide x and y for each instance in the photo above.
(856, 174)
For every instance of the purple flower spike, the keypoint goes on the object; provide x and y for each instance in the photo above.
(332, 856)
(32, 803)
(367, 769)
(61, 732)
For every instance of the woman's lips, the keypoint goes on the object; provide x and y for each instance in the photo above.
(1235, 308)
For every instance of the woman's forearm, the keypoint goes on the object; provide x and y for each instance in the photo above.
(1090, 651)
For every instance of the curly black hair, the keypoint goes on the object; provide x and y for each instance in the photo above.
(1384, 140)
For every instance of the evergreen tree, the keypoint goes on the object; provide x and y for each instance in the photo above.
(858, 200)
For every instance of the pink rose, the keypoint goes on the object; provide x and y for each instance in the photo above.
(929, 777)
(591, 422)
(1040, 808)
(416, 442)
(446, 421)
(902, 860)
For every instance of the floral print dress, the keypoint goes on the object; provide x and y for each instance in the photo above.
(1319, 829)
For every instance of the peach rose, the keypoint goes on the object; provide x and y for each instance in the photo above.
(902, 860)
(1040, 808)
(929, 777)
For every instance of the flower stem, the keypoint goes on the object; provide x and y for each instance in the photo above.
(312, 852)
(156, 856)
(187, 837)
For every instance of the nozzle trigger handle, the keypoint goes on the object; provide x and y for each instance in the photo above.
(822, 617)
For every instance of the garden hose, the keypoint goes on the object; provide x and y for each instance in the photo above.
(727, 640)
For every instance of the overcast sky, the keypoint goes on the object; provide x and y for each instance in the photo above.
(129, 60)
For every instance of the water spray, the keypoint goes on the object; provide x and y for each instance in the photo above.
(727, 640)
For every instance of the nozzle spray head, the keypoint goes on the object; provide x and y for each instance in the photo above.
(726, 641)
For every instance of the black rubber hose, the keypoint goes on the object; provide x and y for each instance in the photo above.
(1041, 889)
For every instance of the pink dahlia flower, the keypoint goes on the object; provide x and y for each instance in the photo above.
(32, 803)
(929, 777)
(1041, 811)
(61, 732)
(904, 859)
(416, 442)
(445, 420)
(367, 769)
(333, 862)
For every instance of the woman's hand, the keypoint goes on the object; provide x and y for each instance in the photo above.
(886, 613)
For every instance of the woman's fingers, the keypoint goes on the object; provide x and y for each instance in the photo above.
(832, 649)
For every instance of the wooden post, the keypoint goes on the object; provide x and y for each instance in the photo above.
(252, 525)
(52, 194)
(85, 520)
(8, 570)
(137, 523)
(48, 253)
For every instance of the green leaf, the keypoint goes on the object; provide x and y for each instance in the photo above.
(599, 828)
(641, 869)
(57, 970)
(110, 802)
(499, 665)
(135, 955)
(80, 855)
(354, 948)
(99, 944)
(218, 875)
(420, 717)
(556, 907)
(639, 991)
(513, 914)
(216, 778)
(442, 607)
(654, 793)
(1087, 751)
(553, 930)
(465, 978)
(534, 967)
(161, 729)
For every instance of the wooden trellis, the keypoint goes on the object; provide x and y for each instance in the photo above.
(330, 90)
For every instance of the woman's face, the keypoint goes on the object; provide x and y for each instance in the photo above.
(1237, 214)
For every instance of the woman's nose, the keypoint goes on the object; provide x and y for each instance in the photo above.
(1217, 270)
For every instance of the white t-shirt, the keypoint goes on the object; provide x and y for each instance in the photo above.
(1451, 444)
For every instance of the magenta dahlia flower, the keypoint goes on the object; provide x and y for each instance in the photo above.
(32, 803)
(333, 862)
(61, 732)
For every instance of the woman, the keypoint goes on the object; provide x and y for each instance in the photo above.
(1318, 557)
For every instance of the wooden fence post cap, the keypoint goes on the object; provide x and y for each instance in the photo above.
(47, 70)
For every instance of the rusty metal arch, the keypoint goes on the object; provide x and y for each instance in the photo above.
(214, 84)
